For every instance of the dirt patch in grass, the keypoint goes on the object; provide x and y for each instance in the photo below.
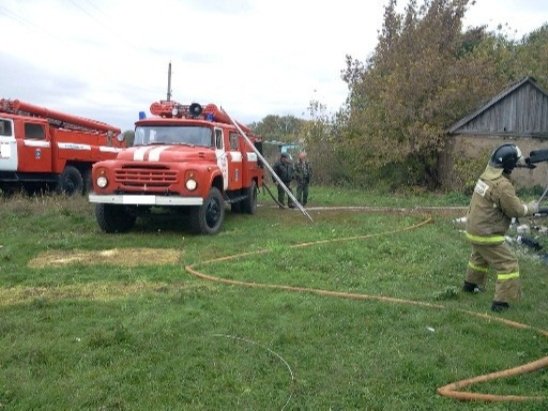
(127, 257)
(98, 291)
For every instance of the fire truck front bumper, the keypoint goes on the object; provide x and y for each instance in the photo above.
(139, 199)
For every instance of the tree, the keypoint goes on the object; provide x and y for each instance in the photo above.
(129, 137)
(531, 56)
(425, 73)
(281, 128)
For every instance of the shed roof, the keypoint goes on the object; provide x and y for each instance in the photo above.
(511, 89)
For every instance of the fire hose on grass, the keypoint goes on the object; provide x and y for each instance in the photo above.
(452, 390)
(272, 195)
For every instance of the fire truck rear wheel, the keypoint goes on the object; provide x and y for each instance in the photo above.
(70, 182)
(208, 218)
(249, 205)
(114, 218)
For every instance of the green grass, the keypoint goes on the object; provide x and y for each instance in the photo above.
(98, 335)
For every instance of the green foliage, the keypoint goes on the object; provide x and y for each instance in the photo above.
(530, 56)
(425, 74)
(320, 143)
(467, 170)
(414, 85)
(279, 128)
(129, 137)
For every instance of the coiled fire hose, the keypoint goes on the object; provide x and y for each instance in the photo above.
(452, 390)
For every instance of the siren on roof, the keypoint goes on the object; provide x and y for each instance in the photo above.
(195, 109)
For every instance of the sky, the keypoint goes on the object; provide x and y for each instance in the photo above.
(108, 59)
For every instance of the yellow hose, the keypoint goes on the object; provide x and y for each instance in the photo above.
(450, 390)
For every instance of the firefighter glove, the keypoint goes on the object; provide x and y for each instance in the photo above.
(532, 207)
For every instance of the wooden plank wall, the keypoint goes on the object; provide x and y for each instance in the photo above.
(522, 113)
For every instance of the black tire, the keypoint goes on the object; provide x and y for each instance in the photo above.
(70, 182)
(88, 184)
(236, 208)
(114, 218)
(33, 189)
(249, 205)
(7, 190)
(208, 218)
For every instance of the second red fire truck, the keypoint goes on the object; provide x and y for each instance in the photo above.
(40, 147)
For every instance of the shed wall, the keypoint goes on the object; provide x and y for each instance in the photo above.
(478, 147)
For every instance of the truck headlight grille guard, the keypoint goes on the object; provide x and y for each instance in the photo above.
(145, 176)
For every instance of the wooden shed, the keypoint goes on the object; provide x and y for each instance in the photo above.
(517, 115)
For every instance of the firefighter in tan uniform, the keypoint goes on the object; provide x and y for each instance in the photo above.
(493, 205)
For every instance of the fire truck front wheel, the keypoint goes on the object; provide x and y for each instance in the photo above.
(70, 182)
(113, 218)
(208, 218)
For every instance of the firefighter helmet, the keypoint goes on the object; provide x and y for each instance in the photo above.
(506, 157)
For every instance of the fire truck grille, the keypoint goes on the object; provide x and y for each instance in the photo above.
(145, 176)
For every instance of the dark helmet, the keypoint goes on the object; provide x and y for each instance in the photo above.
(506, 157)
(285, 155)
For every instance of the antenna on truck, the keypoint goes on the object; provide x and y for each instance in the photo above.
(169, 82)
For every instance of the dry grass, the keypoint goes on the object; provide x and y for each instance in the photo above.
(95, 291)
(126, 257)
(24, 205)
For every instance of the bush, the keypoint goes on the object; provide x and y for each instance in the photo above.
(467, 170)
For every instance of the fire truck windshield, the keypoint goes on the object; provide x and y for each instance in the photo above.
(191, 135)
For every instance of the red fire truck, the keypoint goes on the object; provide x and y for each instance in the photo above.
(40, 147)
(183, 156)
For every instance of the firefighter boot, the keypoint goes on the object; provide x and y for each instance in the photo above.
(471, 288)
(499, 306)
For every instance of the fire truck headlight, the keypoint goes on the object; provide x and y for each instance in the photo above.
(101, 181)
(191, 184)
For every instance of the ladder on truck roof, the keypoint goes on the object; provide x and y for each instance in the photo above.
(57, 118)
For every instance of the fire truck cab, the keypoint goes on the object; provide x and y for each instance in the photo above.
(40, 147)
(183, 156)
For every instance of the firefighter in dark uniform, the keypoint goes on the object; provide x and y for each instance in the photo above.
(284, 169)
(493, 205)
(303, 172)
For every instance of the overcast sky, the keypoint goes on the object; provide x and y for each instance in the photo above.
(108, 59)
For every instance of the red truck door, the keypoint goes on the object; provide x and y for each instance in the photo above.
(34, 148)
(221, 155)
(235, 161)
